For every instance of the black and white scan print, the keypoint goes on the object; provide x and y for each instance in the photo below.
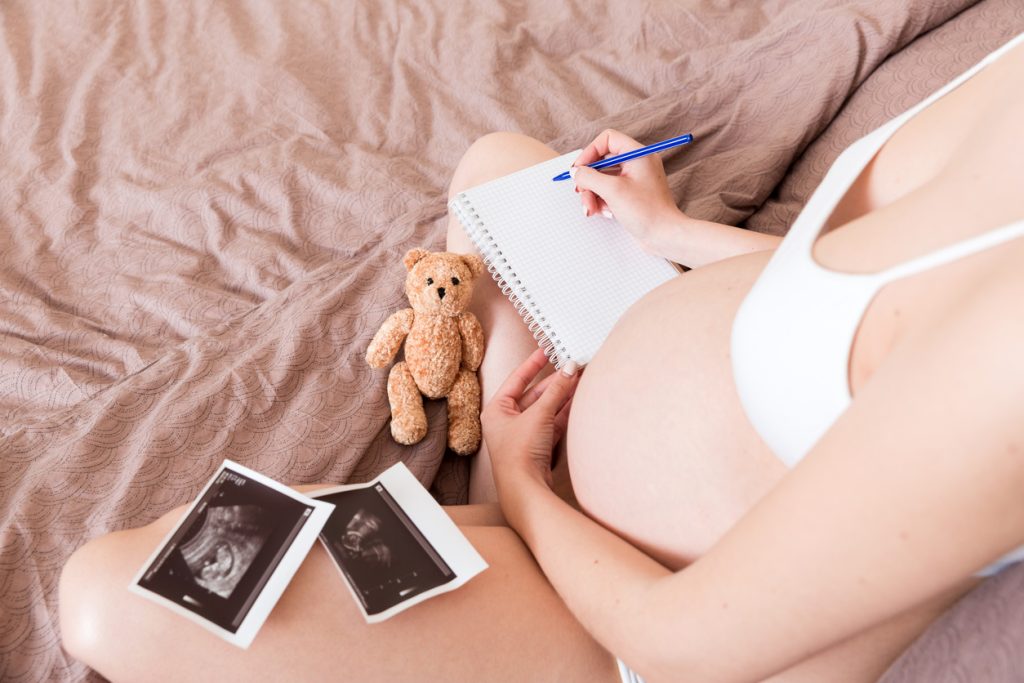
(380, 551)
(226, 549)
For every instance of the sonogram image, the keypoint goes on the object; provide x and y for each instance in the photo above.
(379, 550)
(224, 551)
(225, 546)
(362, 541)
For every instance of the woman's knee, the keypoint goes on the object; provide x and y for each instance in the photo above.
(93, 590)
(494, 155)
(84, 600)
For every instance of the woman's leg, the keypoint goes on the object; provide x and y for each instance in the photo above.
(508, 341)
(507, 624)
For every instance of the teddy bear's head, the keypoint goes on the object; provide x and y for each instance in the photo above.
(440, 282)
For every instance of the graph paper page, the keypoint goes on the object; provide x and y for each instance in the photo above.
(574, 275)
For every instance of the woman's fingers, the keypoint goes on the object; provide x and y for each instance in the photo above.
(535, 392)
(591, 182)
(561, 389)
(592, 204)
(550, 394)
(562, 419)
(520, 378)
(607, 142)
(596, 187)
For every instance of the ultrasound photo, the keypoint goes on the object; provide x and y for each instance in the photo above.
(218, 561)
(379, 550)
(228, 541)
(393, 543)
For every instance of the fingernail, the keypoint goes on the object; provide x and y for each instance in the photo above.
(570, 368)
(606, 213)
(586, 212)
(572, 172)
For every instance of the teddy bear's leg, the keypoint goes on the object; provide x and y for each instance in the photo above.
(464, 413)
(408, 420)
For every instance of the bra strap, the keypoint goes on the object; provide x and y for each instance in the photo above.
(952, 252)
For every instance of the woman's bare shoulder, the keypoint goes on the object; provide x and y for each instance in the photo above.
(989, 157)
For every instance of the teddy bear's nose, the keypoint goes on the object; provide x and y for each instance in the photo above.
(440, 292)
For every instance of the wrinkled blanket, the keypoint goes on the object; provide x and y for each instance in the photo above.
(203, 208)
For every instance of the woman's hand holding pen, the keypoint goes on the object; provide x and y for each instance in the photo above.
(639, 198)
(637, 195)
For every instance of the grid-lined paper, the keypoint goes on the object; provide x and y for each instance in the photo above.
(572, 277)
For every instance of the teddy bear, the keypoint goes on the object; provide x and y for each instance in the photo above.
(444, 344)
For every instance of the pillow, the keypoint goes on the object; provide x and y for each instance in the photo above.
(900, 82)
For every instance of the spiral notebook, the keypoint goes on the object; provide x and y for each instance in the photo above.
(569, 276)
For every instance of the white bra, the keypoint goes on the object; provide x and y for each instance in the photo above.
(792, 335)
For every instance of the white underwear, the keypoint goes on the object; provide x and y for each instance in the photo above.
(627, 674)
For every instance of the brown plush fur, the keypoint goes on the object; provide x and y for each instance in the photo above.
(444, 345)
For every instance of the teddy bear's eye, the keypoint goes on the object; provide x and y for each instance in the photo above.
(430, 280)
(455, 280)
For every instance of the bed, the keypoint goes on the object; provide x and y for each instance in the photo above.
(204, 207)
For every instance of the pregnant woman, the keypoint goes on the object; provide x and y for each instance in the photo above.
(785, 463)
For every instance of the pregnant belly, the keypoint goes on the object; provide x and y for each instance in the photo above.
(659, 447)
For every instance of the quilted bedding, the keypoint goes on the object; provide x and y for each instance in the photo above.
(203, 208)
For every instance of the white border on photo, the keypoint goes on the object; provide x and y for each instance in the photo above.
(279, 578)
(432, 521)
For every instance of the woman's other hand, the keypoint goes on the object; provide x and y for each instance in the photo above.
(636, 193)
(522, 426)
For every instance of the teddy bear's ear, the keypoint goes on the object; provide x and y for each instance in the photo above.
(413, 256)
(474, 263)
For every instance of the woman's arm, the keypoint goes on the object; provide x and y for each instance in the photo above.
(914, 488)
(695, 243)
(639, 198)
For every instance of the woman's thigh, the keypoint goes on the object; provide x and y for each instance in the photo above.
(507, 624)
(508, 341)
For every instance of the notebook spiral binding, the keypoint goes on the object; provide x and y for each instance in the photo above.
(505, 276)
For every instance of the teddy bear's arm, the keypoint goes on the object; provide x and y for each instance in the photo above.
(389, 338)
(472, 341)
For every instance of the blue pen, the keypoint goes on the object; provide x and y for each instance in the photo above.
(635, 154)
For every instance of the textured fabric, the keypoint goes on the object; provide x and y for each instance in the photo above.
(976, 641)
(902, 80)
(205, 205)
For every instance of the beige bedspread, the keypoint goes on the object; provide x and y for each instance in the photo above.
(203, 206)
